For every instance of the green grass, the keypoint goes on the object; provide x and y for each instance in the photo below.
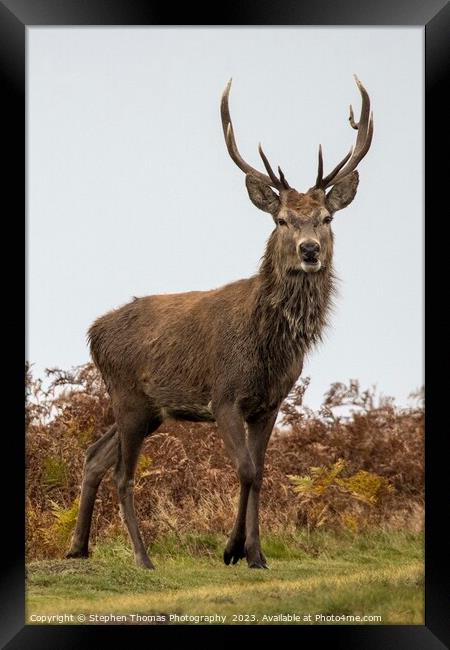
(372, 575)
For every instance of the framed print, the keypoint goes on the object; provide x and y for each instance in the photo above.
(225, 420)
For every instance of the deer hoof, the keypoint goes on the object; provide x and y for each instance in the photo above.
(76, 554)
(258, 565)
(234, 552)
(145, 563)
(230, 556)
(256, 559)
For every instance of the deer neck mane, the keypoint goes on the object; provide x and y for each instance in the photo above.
(292, 306)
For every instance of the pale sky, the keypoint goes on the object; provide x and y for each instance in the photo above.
(131, 190)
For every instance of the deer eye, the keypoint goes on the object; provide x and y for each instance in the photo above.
(282, 222)
(327, 219)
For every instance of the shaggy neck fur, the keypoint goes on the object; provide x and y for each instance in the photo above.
(291, 307)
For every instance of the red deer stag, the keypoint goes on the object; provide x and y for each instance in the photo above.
(229, 355)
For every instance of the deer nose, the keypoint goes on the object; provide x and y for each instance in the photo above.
(310, 249)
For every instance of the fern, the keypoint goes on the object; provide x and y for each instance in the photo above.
(55, 472)
(64, 519)
(327, 498)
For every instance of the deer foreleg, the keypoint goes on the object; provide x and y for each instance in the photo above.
(258, 437)
(232, 429)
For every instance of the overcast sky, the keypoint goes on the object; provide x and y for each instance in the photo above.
(131, 191)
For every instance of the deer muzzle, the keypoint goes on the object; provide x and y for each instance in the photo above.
(309, 251)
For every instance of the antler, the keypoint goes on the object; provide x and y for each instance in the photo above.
(362, 145)
(272, 180)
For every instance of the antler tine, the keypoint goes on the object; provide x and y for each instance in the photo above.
(281, 182)
(351, 119)
(319, 168)
(269, 169)
(357, 155)
(320, 181)
(283, 179)
(362, 145)
(234, 152)
(339, 166)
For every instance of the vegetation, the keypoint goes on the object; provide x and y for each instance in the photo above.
(341, 511)
(356, 472)
(324, 574)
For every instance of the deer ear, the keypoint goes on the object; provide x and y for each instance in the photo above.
(262, 195)
(343, 192)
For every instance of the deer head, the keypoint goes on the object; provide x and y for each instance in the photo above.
(304, 239)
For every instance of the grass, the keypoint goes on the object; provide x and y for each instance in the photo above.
(377, 574)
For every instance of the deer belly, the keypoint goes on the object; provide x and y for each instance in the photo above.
(189, 412)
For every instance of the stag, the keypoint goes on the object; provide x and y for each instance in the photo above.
(229, 355)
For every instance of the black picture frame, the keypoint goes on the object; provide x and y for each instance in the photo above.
(15, 17)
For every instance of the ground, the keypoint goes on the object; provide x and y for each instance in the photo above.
(378, 575)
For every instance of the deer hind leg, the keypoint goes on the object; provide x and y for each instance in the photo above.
(133, 429)
(232, 429)
(100, 456)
